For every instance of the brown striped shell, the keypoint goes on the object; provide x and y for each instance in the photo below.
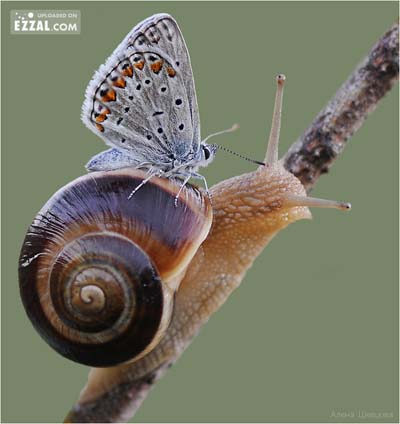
(98, 272)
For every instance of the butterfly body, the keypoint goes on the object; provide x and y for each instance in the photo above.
(142, 102)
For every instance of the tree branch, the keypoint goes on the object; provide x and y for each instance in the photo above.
(120, 403)
(316, 150)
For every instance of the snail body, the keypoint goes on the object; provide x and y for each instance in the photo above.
(98, 271)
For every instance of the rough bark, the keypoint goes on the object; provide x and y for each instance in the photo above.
(325, 139)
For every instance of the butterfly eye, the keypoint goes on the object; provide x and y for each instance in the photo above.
(207, 153)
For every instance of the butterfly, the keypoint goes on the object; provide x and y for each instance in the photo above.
(142, 102)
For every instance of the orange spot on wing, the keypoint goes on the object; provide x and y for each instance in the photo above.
(100, 127)
(110, 96)
(128, 71)
(100, 118)
(171, 72)
(139, 65)
(156, 66)
(120, 83)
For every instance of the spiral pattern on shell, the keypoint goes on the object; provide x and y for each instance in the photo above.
(95, 266)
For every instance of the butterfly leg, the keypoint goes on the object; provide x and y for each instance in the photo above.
(147, 179)
(185, 181)
(141, 165)
(201, 177)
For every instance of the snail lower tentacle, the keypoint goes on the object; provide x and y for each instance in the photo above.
(98, 271)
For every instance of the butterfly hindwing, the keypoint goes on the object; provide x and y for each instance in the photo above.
(143, 100)
(109, 160)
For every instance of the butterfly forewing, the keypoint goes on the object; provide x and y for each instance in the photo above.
(143, 99)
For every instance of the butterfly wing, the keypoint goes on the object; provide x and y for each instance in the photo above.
(111, 159)
(143, 99)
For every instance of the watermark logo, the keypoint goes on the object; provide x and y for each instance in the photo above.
(45, 22)
(360, 414)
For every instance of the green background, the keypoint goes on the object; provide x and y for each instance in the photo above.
(313, 329)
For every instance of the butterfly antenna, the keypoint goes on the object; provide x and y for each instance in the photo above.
(233, 128)
(239, 155)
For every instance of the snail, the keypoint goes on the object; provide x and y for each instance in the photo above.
(176, 263)
(98, 270)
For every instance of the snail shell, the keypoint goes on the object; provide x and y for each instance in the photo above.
(98, 271)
